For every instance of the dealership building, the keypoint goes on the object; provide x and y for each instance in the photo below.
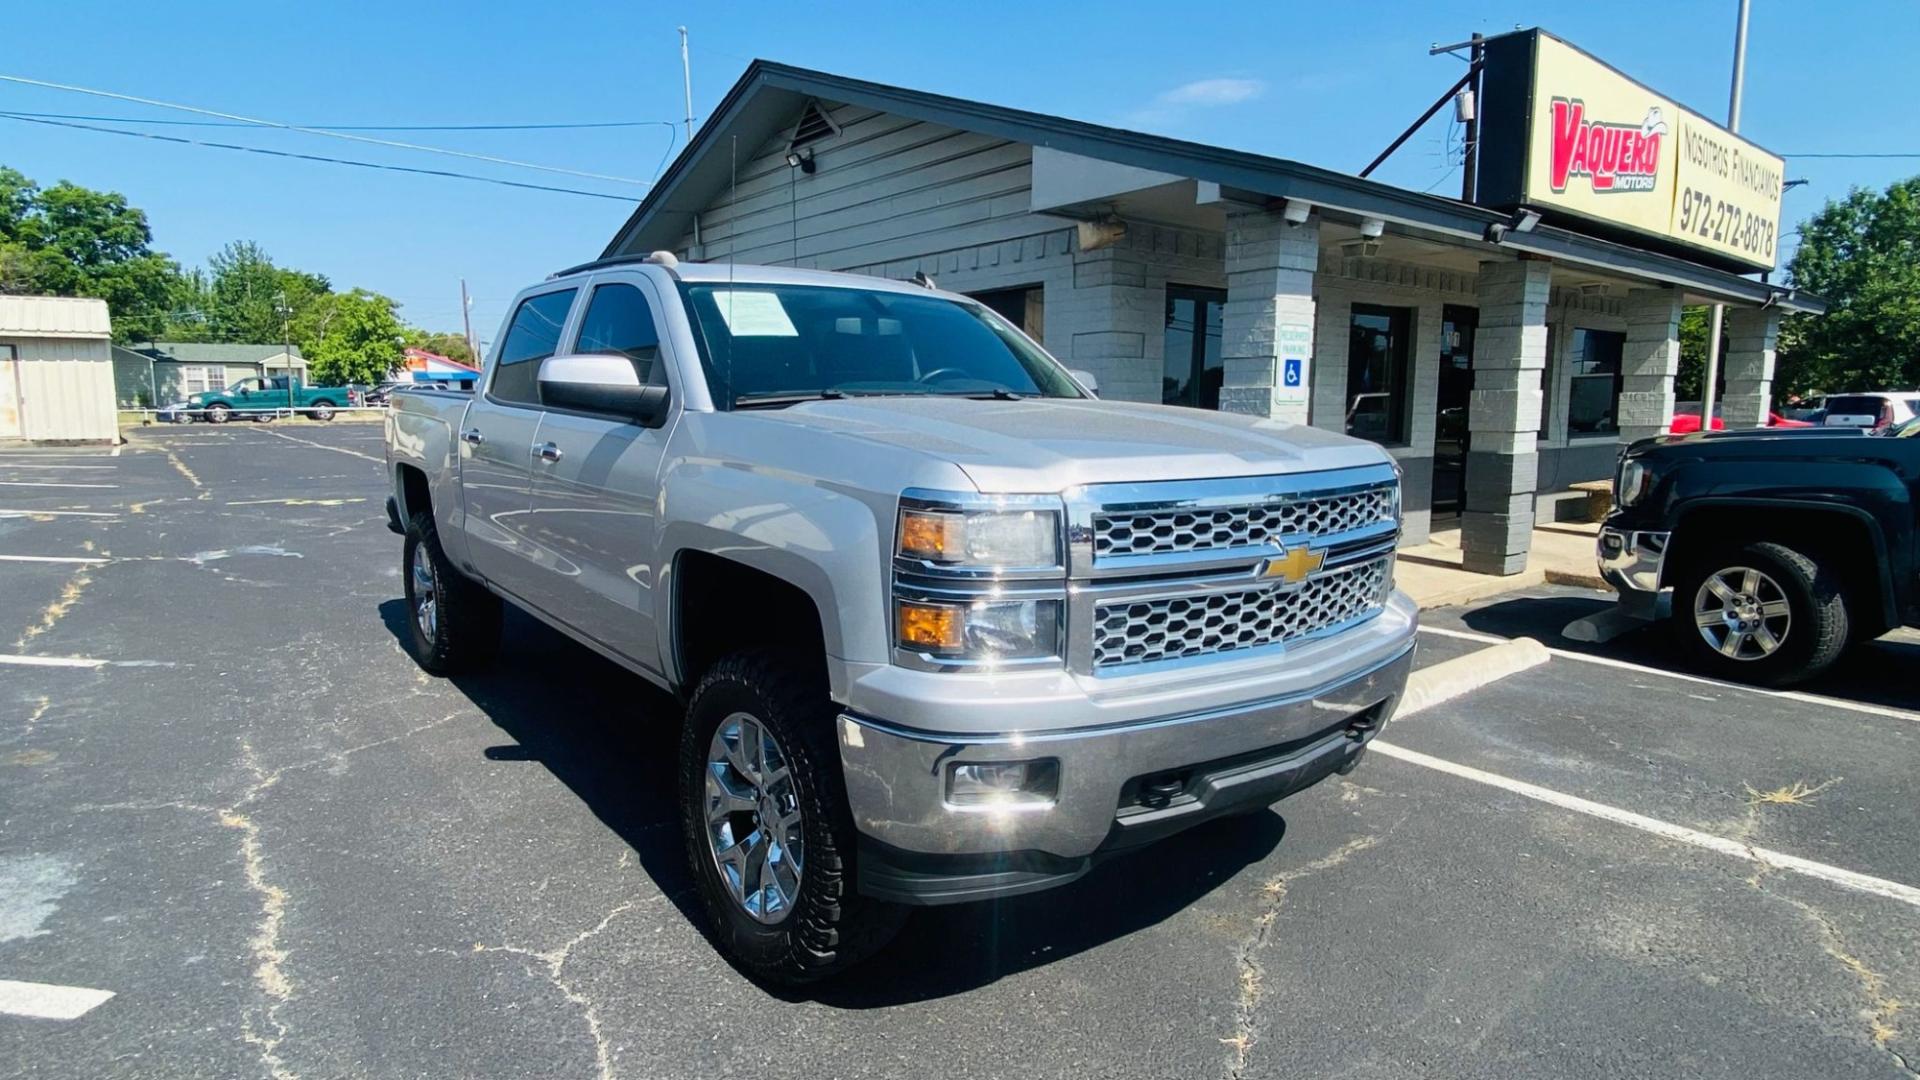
(1500, 349)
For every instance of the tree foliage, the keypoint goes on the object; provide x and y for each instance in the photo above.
(357, 339)
(451, 346)
(1861, 254)
(67, 240)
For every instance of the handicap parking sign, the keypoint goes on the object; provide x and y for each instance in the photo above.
(1290, 375)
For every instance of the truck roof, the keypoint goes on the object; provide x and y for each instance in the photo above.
(751, 274)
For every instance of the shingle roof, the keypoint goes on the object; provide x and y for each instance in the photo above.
(200, 352)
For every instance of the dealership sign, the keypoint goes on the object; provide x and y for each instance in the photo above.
(1569, 136)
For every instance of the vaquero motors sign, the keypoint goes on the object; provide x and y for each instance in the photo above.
(1563, 133)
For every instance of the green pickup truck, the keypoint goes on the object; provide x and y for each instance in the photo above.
(261, 398)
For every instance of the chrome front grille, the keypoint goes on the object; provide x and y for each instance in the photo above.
(1145, 631)
(1177, 530)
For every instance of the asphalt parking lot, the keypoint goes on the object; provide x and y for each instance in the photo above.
(230, 799)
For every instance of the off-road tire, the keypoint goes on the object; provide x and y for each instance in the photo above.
(1817, 629)
(468, 618)
(831, 926)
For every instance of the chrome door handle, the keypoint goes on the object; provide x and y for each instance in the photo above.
(472, 437)
(547, 451)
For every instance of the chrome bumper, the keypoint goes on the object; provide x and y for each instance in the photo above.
(1632, 562)
(1219, 759)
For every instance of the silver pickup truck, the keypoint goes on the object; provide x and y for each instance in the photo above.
(947, 626)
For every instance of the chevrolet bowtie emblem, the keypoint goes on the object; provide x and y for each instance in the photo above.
(1294, 567)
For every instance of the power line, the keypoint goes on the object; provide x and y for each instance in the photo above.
(313, 157)
(361, 127)
(391, 143)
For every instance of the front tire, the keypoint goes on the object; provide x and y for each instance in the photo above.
(1761, 613)
(768, 833)
(218, 413)
(455, 621)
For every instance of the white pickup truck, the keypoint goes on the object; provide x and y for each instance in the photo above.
(947, 626)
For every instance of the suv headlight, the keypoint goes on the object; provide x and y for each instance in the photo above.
(1631, 484)
(1015, 538)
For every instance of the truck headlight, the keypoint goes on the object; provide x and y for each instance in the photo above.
(1631, 484)
(981, 538)
(980, 630)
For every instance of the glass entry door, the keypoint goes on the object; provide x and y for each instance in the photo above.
(1193, 369)
(1450, 442)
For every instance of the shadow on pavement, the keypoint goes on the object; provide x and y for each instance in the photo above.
(612, 739)
(1873, 673)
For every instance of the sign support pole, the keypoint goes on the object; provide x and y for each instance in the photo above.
(1715, 324)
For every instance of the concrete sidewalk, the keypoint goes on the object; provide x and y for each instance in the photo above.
(1562, 554)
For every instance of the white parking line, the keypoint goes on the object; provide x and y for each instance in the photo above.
(48, 483)
(58, 513)
(1449, 679)
(1777, 860)
(1624, 665)
(70, 559)
(52, 661)
(45, 1001)
(324, 446)
(34, 465)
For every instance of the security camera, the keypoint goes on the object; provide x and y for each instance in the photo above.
(1297, 211)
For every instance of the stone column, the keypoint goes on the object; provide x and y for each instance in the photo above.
(1649, 362)
(1751, 334)
(1267, 338)
(1503, 415)
(1111, 322)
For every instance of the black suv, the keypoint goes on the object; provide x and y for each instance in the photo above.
(1769, 551)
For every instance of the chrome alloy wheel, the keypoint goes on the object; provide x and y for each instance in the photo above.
(753, 818)
(426, 610)
(1742, 613)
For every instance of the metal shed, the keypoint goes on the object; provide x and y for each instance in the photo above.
(56, 370)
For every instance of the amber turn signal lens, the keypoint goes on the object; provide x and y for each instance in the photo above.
(926, 535)
(929, 626)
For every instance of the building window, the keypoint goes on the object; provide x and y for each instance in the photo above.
(1024, 307)
(1193, 371)
(1377, 372)
(204, 378)
(1593, 392)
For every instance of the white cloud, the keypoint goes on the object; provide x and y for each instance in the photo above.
(1169, 106)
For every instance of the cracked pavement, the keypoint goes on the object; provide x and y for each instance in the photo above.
(289, 853)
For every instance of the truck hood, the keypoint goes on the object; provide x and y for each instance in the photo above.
(1051, 445)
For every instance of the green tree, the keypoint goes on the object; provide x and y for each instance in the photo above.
(245, 292)
(452, 346)
(67, 240)
(1861, 254)
(358, 339)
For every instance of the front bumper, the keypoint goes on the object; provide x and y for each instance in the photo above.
(1632, 561)
(1120, 785)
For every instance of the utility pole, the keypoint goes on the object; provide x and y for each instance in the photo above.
(466, 314)
(1470, 141)
(1707, 392)
(286, 336)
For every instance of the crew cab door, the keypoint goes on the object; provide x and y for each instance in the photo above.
(496, 445)
(596, 483)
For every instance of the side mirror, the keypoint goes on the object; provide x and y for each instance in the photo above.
(1086, 379)
(602, 384)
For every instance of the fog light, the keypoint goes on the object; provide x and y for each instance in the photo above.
(1008, 785)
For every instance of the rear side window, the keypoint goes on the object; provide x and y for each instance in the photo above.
(533, 336)
(619, 321)
(1861, 407)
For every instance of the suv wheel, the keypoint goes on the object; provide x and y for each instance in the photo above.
(766, 824)
(455, 622)
(218, 412)
(1760, 613)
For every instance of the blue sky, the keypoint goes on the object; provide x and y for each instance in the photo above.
(1329, 84)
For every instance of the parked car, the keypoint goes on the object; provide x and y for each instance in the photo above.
(1768, 551)
(261, 398)
(948, 628)
(380, 394)
(1879, 411)
(1686, 419)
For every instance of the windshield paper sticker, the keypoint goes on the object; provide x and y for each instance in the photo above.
(753, 314)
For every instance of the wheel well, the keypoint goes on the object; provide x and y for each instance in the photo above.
(1838, 541)
(415, 494)
(721, 607)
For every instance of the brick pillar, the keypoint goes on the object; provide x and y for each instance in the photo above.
(1268, 320)
(1112, 323)
(1751, 334)
(1649, 362)
(1503, 415)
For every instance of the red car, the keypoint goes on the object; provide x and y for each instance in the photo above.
(1686, 423)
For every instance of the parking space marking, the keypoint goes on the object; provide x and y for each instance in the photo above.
(52, 661)
(58, 513)
(324, 446)
(1449, 679)
(36, 465)
(75, 560)
(49, 483)
(46, 1001)
(1776, 860)
(1626, 665)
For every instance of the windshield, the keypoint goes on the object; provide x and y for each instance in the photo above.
(777, 344)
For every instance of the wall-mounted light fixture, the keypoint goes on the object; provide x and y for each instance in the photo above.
(1371, 228)
(802, 160)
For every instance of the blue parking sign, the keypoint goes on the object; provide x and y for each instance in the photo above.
(1290, 375)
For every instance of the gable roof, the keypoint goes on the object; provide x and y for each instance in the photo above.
(768, 96)
(208, 352)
